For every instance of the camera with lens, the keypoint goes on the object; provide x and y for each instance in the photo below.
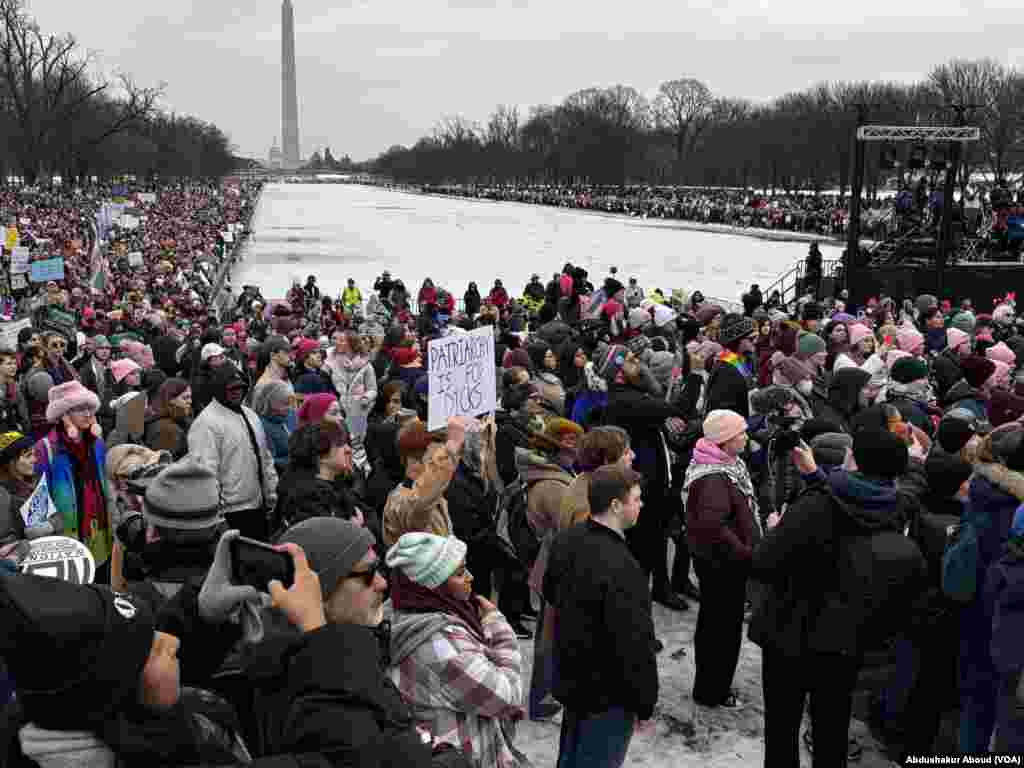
(785, 432)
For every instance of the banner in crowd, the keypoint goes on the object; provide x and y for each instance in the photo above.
(39, 507)
(60, 557)
(45, 270)
(149, 198)
(63, 323)
(9, 332)
(461, 376)
(20, 260)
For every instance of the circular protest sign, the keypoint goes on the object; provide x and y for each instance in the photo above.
(60, 557)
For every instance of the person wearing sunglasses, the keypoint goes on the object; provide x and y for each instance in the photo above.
(332, 681)
(57, 366)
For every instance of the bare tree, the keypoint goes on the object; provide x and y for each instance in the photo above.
(683, 108)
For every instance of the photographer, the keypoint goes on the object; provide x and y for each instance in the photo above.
(779, 414)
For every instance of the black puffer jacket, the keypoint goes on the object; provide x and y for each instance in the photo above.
(803, 610)
(302, 495)
(843, 397)
(334, 710)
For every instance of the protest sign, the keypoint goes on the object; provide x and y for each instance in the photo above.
(39, 507)
(45, 270)
(461, 376)
(18, 282)
(19, 260)
(62, 322)
(135, 259)
(129, 222)
(11, 238)
(9, 333)
(147, 197)
(60, 557)
(227, 237)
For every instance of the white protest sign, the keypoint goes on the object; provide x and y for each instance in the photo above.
(60, 557)
(9, 332)
(460, 376)
(18, 282)
(135, 259)
(39, 507)
(227, 237)
(20, 260)
(147, 197)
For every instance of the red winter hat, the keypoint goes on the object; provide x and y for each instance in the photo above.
(404, 355)
(305, 347)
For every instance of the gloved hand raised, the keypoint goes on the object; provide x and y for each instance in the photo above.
(221, 601)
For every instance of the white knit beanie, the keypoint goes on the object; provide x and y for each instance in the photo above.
(427, 559)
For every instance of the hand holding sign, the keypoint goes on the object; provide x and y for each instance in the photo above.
(461, 376)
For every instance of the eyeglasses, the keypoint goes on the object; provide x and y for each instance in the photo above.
(368, 575)
(58, 345)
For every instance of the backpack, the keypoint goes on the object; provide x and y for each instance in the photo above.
(881, 574)
(960, 564)
(514, 527)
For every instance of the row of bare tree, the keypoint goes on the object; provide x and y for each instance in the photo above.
(60, 116)
(686, 134)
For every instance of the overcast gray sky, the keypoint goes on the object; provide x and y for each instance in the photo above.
(373, 73)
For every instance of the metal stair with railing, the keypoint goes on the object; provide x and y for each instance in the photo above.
(791, 284)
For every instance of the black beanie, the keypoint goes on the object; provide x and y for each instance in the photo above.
(76, 652)
(880, 453)
(954, 434)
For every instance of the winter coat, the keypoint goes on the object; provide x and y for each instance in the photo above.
(35, 387)
(420, 505)
(842, 401)
(963, 395)
(555, 333)
(721, 524)
(471, 302)
(202, 388)
(993, 498)
(461, 688)
(14, 410)
(277, 432)
(728, 389)
(803, 611)
(351, 297)
(576, 502)
(605, 635)
(547, 483)
(321, 710)
(946, 372)
(220, 439)
(1004, 407)
(303, 495)
(201, 729)
(513, 433)
(65, 483)
(643, 416)
(162, 433)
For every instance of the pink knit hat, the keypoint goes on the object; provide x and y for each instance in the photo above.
(1000, 376)
(721, 426)
(858, 333)
(314, 407)
(955, 337)
(66, 397)
(121, 368)
(907, 339)
(1002, 354)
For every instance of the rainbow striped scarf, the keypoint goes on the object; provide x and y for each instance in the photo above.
(731, 358)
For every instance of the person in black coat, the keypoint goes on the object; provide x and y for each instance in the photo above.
(812, 633)
(632, 407)
(608, 676)
(471, 300)
(729, 385)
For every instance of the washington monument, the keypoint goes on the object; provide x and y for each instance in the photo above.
(289, 97)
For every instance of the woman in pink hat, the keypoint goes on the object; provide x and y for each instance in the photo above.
(723, 526)
(73, 459)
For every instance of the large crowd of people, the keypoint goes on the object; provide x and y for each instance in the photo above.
(842, 480)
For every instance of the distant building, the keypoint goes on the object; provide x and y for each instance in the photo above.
(275, 158)
(289, 90)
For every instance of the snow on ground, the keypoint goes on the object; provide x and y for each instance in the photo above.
(342, 231)
(685, 735)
